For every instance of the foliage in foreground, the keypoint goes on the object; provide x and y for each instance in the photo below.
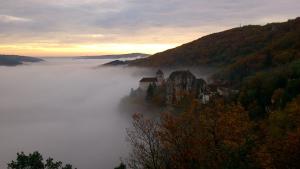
(36, 161)
(217, 136)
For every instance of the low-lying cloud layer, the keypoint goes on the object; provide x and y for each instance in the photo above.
(66, 25)
(65, 109)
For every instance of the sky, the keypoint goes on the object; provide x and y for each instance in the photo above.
(95, 27)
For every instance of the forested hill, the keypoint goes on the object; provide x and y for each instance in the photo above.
(13, 60)
(261, 62)
(276, 42)
(255, 127)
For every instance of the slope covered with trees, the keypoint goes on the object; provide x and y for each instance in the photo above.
(261, 62)
(239, 51)
(256, 128)
(220, 135)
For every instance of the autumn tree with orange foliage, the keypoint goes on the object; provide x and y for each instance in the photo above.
(214, 137)
(281, 149)
(207, 138)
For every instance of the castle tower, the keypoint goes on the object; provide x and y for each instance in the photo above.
(160, 77)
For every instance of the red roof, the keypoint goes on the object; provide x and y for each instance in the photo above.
(149, 79)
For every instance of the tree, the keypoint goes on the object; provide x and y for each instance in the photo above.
(180, 139)
(121, 166)
(35, 161)
(150, 92)
(146, 147)
(281, 148)
(227, 131)
(217, 136)
(50, 164)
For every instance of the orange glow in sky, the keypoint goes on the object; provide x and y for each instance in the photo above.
(82, 49)
(95, 27)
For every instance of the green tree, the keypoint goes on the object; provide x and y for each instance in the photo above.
(121, 166)
(35, 161)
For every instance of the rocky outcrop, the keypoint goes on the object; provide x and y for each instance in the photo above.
(183, 83)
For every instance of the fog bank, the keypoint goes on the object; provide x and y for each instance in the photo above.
(65, 109)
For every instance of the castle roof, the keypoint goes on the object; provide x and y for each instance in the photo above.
(149, 79)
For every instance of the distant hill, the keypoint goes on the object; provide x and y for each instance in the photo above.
(13, 60)
(239, 51)
(115, 63)
(120, 56)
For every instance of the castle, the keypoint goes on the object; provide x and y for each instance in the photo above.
(183, 83)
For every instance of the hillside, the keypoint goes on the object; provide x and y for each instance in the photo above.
(261, 62)
(257, 125)
(240, 50)
(13, 60)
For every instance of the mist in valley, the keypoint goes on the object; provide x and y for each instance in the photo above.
(67, 109)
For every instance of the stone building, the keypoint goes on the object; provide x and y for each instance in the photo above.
(184, 83)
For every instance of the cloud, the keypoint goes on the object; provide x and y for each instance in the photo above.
(13, 19)
(138, 21)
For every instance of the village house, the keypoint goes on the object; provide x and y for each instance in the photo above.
(158, 80)
(221, 88)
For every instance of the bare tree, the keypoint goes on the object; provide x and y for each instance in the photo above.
(144, 139)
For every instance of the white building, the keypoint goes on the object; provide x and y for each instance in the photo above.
(205, 98)
(157, 81)
(146, 81)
